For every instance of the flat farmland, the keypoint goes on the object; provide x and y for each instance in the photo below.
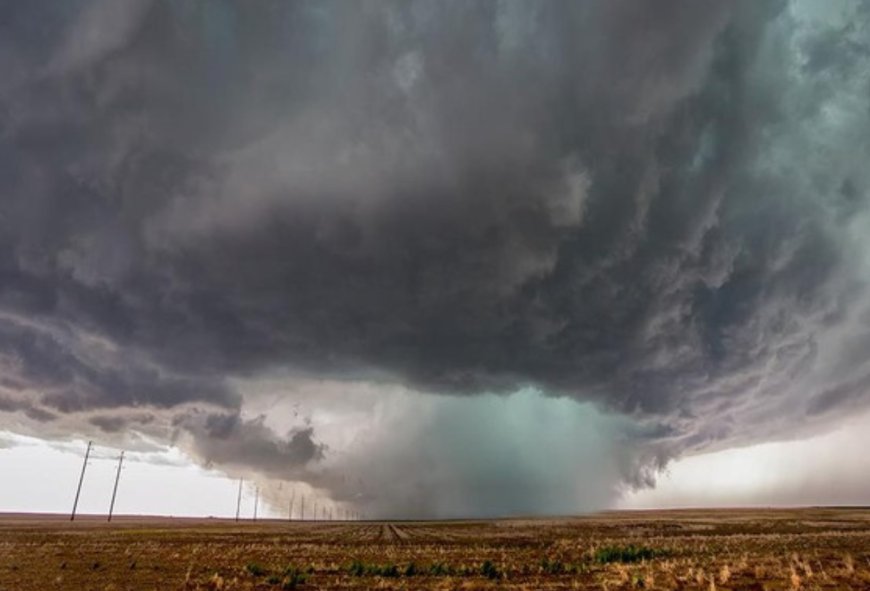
(709, 549)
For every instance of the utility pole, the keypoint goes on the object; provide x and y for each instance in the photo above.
(302, 511)
(315, 510)
(290, 512)
(256, 501)
(115, 490)
(239, 500)
(81, 479)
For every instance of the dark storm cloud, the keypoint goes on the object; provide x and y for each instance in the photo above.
(10, 404)
(116, 423)
(68, 374)
(232, 442)
(627, 202)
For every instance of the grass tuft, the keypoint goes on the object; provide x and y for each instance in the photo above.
(489, 570)
(256, 570)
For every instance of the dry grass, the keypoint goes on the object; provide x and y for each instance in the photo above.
(706, 550)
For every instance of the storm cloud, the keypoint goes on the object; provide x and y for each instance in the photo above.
(656, 208)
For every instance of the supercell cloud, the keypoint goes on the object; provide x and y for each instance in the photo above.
(391, 248)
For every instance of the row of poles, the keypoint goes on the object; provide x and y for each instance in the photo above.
(326, 513)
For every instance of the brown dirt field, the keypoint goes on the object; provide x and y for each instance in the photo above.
(704, 549)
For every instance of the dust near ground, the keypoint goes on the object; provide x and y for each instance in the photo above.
(709, 549)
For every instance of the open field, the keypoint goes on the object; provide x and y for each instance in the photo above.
(721, 549)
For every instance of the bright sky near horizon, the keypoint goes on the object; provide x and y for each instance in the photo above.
(829, 469)
(164, 483)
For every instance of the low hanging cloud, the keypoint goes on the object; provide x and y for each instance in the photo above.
(659, 209)
(488, 456)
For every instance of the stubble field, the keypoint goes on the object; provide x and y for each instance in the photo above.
(722, 549)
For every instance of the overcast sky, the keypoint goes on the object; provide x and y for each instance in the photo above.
(436, 258)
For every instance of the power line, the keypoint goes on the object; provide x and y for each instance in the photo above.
(81, 479)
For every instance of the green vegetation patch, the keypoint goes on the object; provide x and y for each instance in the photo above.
(290, 578)
(256, 570)
(293, 577)
(489, 570)
(360, 569)
(626, 554)
(557, 567)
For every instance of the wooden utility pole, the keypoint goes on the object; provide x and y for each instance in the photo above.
(115, 490)
(81, 479)
(239, 499)
(290, 512)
